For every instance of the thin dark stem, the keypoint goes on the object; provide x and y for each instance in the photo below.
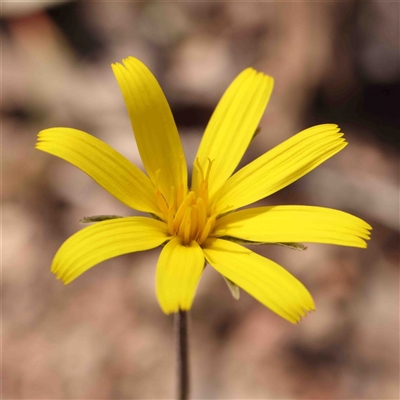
(183, 355)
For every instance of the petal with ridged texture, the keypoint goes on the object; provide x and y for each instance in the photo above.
(154, 127)
(294, 224)
(280, 166)
(263, 279)
(179, 270)
(232, 126)
(106, 166)
(105, 240)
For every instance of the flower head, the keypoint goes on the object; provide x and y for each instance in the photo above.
(201, 224)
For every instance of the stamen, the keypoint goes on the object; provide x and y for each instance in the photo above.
(210, 162)
(180, 195)
(207, 229)
(157, 179)
(182, 209)
(172, 199)
(162, 205)
(194, 217)
(197, 165)
(186, 233)
(170, 219)
(189, 216)
(184, 228)
(202, 214)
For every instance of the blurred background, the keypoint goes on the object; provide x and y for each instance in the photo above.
(104, 336)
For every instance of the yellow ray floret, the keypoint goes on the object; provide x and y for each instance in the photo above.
(265, 280)
(294, 224)
(232, 126)
(154, 127)
(280, 167)
(106, 166)
(106, 240)
(178, 273)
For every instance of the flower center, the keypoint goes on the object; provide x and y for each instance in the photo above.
(189, 217)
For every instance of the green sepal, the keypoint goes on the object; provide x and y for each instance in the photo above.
(291, 245)
(233, 288)
(98, 218)
(155, 217)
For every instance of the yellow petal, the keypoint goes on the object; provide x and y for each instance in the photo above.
(179, 270)
(280, 166)
(232, 126)
(105, 240)
(263, 279)
(294, 224)
(106, 166)
(153, 125)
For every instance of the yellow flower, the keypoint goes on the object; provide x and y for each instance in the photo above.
(201, 224)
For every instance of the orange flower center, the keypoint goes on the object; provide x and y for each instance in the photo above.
(189, 217)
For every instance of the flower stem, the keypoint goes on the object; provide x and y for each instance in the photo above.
(183, 355)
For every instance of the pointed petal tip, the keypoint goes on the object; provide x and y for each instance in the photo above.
(68, 278)
(270, 78)
(132, 60)
(305, 314)
(129, 58)
(267, 79)
(117, 69)
(44, 131)
(368, 226)
(249, 70)
(260, 74)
